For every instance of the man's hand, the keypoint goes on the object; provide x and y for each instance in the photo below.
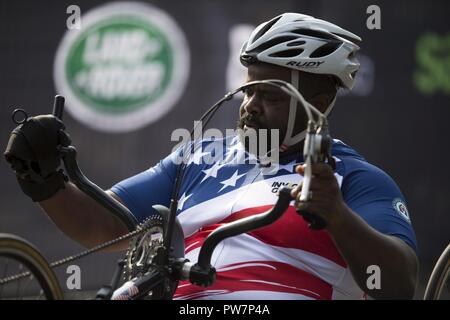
(33, 153)
(326, 199)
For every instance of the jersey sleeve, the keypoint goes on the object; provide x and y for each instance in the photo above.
(372, 194)
(153, 186)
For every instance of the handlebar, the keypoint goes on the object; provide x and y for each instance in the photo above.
(202, 273)
(243, 225)
(58, 106)
(84, 184)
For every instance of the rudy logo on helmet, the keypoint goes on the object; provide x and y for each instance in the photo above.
(311, 64)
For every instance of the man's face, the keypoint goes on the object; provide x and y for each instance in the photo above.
(265, 106)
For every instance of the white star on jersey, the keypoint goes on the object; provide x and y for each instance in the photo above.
(235, 154)
(231, 182)
(211, 172)
(275, 168)
(183, 200)
(289, 166)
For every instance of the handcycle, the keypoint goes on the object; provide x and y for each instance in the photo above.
(155, 260)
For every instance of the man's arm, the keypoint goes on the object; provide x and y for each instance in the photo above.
(360, 245)
(83, 219)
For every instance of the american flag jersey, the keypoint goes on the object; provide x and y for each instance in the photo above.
(285, 260)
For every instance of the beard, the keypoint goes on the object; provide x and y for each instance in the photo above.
(256, 137)
(251, 120)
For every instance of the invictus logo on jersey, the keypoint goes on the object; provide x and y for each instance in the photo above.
(311, 64)
(276, 186)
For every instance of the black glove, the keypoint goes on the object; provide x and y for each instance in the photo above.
(32, 151)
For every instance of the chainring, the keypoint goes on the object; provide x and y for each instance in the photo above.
(141, 253)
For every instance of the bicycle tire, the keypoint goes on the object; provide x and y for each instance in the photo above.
(17, 248)
(440, 273)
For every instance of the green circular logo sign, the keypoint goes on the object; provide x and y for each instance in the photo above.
(125, 68)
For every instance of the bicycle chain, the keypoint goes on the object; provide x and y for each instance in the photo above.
(140, 229)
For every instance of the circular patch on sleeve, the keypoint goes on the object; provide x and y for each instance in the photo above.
(400, 206)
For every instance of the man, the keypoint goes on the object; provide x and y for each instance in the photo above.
(367, 225)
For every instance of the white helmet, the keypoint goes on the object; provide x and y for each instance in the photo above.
(304, 43)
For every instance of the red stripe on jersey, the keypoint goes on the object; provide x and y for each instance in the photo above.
(291, 231)
(261, 276)
(196, 240)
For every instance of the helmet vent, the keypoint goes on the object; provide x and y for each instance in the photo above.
(326, 49)
(273, 42)
(314, 33)
(266, 28)
(287, 53)
(296, 43)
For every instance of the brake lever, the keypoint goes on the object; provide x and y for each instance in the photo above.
(317, 149)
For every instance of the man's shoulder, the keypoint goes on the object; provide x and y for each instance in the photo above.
(351, 163)
(359, 176)
(341, 150)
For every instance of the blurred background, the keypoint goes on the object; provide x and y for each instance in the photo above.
(120, 118)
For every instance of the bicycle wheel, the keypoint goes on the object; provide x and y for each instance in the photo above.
(439, 277)
(17, 254)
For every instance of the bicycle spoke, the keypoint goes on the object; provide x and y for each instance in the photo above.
(4, 275)
(41, 294)
(447, 284)
(25, 271)
(18, 282)
(30, 279)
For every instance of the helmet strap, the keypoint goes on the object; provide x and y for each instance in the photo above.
(290, 140)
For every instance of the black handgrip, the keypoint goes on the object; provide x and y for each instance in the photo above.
(315, 222)
(58, 107)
